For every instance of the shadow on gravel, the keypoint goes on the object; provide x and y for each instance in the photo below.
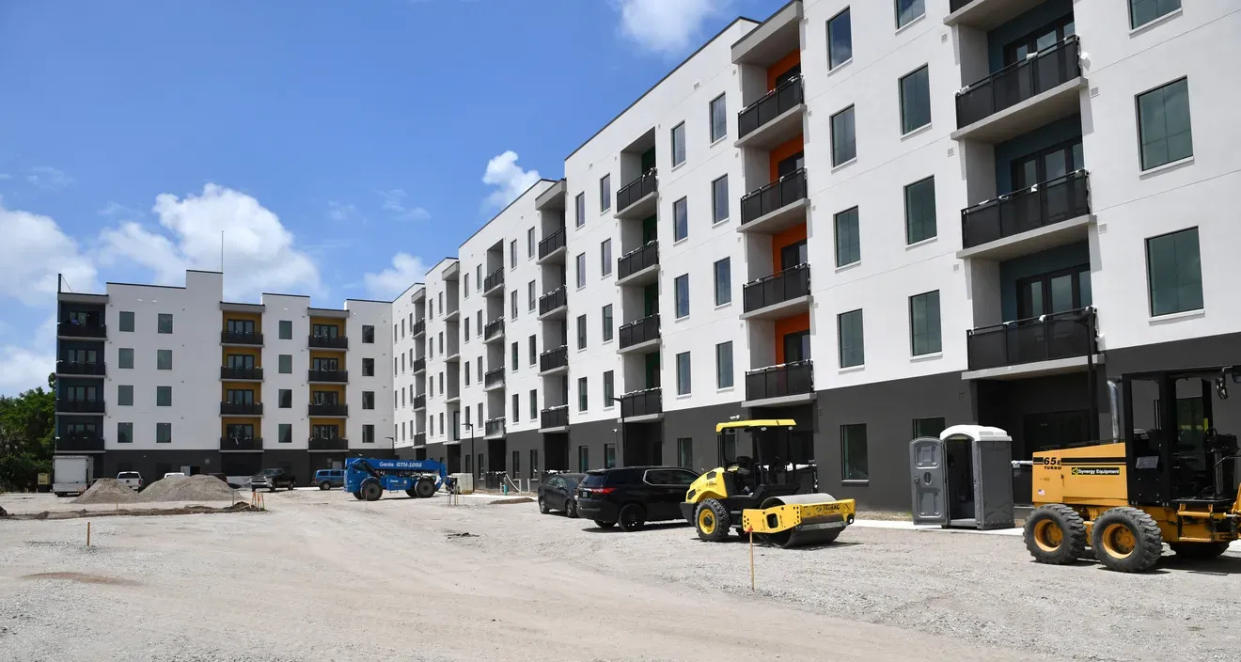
(1221, 566)
(656, 526)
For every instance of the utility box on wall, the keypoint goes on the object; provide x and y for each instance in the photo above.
(963, 478)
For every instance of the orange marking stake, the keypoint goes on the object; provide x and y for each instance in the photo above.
(750, 531)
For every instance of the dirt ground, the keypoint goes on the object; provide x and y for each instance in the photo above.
(323, 576)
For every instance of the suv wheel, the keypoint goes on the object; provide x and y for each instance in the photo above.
(325, 485)
(570, 508)
(632, 517)
(543, 505)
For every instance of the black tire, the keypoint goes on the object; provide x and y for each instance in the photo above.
(711, 520)
(570, 508)
(357, 495)
(1126, 540)
(271, 488)
(631, 517)
(604, 525)
(325, 486)
(1055, 534)
(372, 490)
(543, 507)
(411, 493)
(425, 489)
(1198, 551)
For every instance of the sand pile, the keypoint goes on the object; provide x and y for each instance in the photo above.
(108, 490)
(191, 488)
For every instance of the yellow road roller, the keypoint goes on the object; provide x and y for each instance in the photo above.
(769, 492)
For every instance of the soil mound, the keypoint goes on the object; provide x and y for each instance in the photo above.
(108, 490)
(187, 488)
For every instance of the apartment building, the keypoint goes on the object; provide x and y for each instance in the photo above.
(156, 379)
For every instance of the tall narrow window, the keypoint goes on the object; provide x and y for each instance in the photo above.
(534, 404)
(908, 10)
(532, 349)
(579, 209)
(683, 373)
(1174, 272)
(1163, 124)
(920, 211)
(529, 248)
(163, 359)
(848, 243)
(609, 389)
(580, 262)
(680, 220)
(915, 100)
(719, 199)
(608, 324)
(724, 365)
(605, 193)
(852, 347)
(163, 433)
(531, 298)
(1142, 12)
(515, 355)
(924, 326)
(581, 332)
(844, 144)
(854, 463)
(681, 292)
(839, 40)
(678, 144)
(512, 308)
(582, 395)
(723, 282)
(605, 258)
(125, 358)
(516, 408)
(719, 118)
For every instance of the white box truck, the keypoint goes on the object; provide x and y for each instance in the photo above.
(72, 474)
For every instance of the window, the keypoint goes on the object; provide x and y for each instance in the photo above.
(467, 373)
(285, 398)
(579, 209)
(924, 331)
(163, 433)
(581, 394)
(605, 258)
(127, 320)
(125, 358)
(516, 408)
(533, 350)
(680, 220)
(163, 359)
(681, 290)
(583, 458)
(1163, 124)
(1142, 12)
(848, 244)
(285, 364)
(915, 100)
(368, 433)
(531, 299)
(124, 433)
(908, 10)
(844, 144)
(514, 354)
(605, 193)
(839, 40)
(607, 322)
(719, 200)
(609, 389)
(581, 332)
(533, 400)
(853, 464)
(1174, 272)
(920, 211)
(849, 330)
(368, 399)
(465, 293)
(928, 427)
(529, 254)
(678, 144)
(580, 262)
(512, 308)
(467, 329)
(284, 433)
(724, 365)
(718, 117)
(479, 372)
(163, 396)
(368, 333)
(723, 282)
(286, 329)
(368, 367)
(164, 324)
(609, 456)
(125, 395)
(683, 376)
(512, 258)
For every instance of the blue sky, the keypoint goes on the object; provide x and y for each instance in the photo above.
(341, 146)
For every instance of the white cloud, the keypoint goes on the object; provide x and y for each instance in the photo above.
(387, 284)
(342, 212)
(48, 178)
(259, 252)
(509, 179)
(666, 26)
(394, 203)
(34, 250)
(22, 369)
(4, 176)
(117, 210)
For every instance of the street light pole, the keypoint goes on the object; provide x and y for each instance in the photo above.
(473, 463)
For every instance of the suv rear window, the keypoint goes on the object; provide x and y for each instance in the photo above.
(624, 476)
(592, 480)
(669, 477)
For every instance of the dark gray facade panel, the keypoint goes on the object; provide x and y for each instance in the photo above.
(697, 424)
(1223, 349)
(522, 443)
(593, 435)
(153, 464)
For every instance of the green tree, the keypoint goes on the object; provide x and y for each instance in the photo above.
(27, 423)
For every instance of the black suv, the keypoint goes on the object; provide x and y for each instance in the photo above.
(633, 496)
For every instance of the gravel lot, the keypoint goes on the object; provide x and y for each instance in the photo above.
(323, 576)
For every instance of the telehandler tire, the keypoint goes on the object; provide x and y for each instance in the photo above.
(1055, 534)
(1126, 540)
(711, 520)
(1198, 551)
(371, 490)
(424, 489)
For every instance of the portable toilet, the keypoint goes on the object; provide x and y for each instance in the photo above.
(963, 478)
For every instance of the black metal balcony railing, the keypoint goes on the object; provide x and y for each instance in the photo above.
(639, 331)
(241, 373)
(328, 375)
(551, 243)
(770, 106)
(642, 403)
(646, 184)
(329, 342)
(557, 298)
(554, 358)
(1055, 336)
(327, 409)
(777, 288)
(75, 368)
(79, 442)
(778, 381)
(419, 328)
(1019, 81)
(81, 330)
(494, 328)
(554, 417)
(420, 365)
(329, 444)
(638, 259)
(420, 439)
(83, 406)
(241, 337)
(420, 402)
(241, 443)
(493, 426)
(241, 408)
(493, 280)
(493, 378)
(1030, 208)
(784, 191)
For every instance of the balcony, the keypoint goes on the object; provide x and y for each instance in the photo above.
(554, 360)
(328, 342)
(420, 439)
(419, 328)
(1043, 216)
(241, 409)
(776, 206)
(494, 330)
(493, 379)
(493, 428)
(493, 282)
(330, 376)
(229, 444)
(94, 369)
(241, 338)
(80, 406)
(637, 198)
(775, 118)
(645, 403)
(329, 444)
(329, 409)
(79, 443)
(639, 266)
(241, 374)
(778, 295)
(72, 330)
(640, 334)
(1059, 342)
(790, 383)
(554, 418)
(553, 303)
(553, 245)
(420, 401)
(1021, 96)
(420, 365)
(986, 14)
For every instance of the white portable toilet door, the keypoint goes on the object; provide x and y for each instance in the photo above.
(926, 466)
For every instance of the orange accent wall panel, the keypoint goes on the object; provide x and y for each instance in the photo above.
(782, 65)
(783, 151)
(786, 238)
(786, 326)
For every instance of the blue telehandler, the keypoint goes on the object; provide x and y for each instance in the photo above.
(366, 478)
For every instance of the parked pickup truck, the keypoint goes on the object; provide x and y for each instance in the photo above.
(131, 479)
(272, 479)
